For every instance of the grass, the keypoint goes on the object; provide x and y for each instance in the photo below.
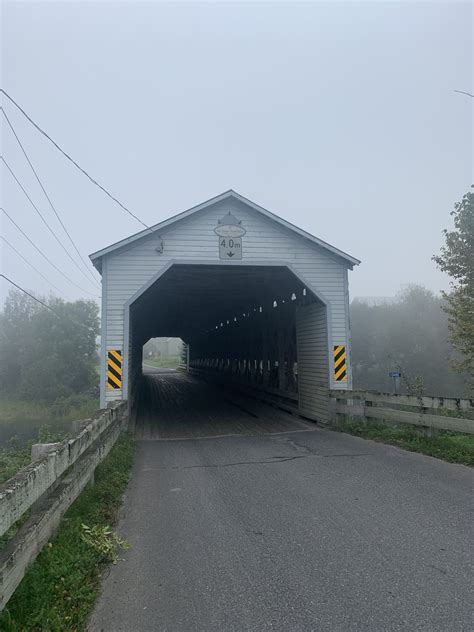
(449, 446)
(21, 421)
(66, 408)
(172, 362)
(59, 590)
(12, 460)
(13, 457)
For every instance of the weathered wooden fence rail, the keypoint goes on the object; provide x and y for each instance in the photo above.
(47, 487)
(419, 411)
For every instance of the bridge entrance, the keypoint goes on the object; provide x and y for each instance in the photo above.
(257, 327)
(260, 304)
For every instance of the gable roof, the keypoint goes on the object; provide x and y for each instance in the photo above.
(96, 257)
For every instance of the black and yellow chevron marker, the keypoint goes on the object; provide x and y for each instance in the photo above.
(340, 373)
(114, 368)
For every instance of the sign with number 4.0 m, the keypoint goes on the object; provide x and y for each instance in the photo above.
(230, 248)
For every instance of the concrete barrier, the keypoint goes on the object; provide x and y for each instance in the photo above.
(47, 487)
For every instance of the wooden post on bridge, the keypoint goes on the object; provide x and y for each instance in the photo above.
(281, 357)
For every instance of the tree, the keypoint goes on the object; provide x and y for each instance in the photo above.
(47, 354)
(456, 258)
(410, 334)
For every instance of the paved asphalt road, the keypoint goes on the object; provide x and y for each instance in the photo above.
(311, 530)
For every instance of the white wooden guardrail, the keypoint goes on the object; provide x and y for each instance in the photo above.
(47, 487)
(423, 411)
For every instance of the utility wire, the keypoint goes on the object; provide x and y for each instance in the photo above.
(46, 257)
(127, 210)
(47, 196)
(30, 264)
(73, 320)
(30, 295)
(468, 94)
(43, 218)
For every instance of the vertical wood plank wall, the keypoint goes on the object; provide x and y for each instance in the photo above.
(313, 365)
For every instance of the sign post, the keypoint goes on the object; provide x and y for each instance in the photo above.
(396, 375)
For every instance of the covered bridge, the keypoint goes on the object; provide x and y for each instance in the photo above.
(256, 299)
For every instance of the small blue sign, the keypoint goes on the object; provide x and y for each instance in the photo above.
(395, 374)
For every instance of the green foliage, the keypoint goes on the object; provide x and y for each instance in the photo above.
(14, 456)
(170, 362)
(13, 410)
(410, 335)
(456, 258)
(105, 541)
(79, 406)
(12, 459)
(46, 355)
(60, 588)
(457, 448)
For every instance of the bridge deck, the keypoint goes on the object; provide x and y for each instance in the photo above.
(174, 405)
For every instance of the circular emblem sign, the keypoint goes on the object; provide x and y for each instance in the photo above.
(229, 226)
(229, 230)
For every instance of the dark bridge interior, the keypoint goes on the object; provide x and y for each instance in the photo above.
(239, 322)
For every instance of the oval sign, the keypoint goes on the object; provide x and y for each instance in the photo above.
(229, 230)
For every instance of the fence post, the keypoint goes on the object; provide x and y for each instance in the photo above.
(367, 404)
(339, 416)
(39, 450)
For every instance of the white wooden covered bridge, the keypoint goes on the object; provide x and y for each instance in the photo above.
(258, 301)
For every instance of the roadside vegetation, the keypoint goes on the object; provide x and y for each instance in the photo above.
(170, 362)
(69, 408)
(49, 377)
(409, 334)
(48, 362)
(429, 339)
(59, 590)
(15, 455)
(22, 421)
(449, 446)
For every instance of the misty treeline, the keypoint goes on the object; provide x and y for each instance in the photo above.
(429, 339)
(410, 335)
(46, 354)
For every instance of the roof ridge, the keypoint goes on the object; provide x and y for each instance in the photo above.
(96, 256)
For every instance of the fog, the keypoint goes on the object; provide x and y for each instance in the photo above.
(340, 117)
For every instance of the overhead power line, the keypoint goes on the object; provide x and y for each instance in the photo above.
(66, 155)
(30, 264)
(47, 196)
(43, 218)
(73, 320)
(30, 295)
(468, 94)
(51, 263)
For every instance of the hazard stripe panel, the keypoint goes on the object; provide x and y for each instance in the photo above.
(340, 371)
(114, 368)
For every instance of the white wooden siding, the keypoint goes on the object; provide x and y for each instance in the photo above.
(312, 353)
(193, 238)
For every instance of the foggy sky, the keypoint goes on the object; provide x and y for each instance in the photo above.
(340, 117)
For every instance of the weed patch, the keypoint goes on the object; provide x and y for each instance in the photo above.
(449, 446)
(14, 456)
(170, 362)
(60, 588)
